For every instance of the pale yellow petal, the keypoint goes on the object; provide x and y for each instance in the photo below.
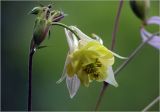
(83, 78)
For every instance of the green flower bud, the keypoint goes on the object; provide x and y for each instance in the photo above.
(43, 23)
(36, 10)
(140, 8)
(40, 31)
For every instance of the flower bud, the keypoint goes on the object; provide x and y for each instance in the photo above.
(36, 10)
(43, 23)
(140, 8)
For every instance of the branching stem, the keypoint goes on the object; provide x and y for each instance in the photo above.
(131, 56)
(115, 28)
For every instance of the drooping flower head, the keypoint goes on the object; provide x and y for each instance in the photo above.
(87, 60)
(155, 41)
(141, 9)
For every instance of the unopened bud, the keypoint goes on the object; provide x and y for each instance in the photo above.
(140, 8)
(36, 10)
(43, 23)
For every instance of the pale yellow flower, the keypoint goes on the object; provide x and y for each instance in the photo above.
(87, 60)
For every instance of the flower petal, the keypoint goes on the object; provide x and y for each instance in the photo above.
(155, 41)
(64, 70)
(97, 38)
(154, 20)
(110, 77)
(118, 56)
(81, 35)
(107, 61)
(72, 40)
(69, 38)
(73, 84)
(83, 77)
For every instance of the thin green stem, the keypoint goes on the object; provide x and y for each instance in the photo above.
(131, 56)
(65, 26)
(151, 104)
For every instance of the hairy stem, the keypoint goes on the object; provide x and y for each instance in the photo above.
(30, 80)
(65, 26)
(131, 56)
(151, 104)
(115, 28)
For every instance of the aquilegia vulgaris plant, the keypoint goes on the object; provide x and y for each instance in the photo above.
(88, 59)
(44, 19)
(141, 9)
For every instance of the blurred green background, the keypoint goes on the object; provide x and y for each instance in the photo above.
(138, 82)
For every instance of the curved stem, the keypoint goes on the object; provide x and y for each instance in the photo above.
(65, 26)
(115, 28)
(30, 80)
(131, 56)
(116, 25)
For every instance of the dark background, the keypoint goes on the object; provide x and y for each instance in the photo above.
(138, 82)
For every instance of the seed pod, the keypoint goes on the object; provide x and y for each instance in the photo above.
(140, 8)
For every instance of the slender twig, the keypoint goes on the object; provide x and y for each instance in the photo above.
(32, 51)
(131, 56)
(105, 85)
(101, 95)
(151, 104)
(115, 28)
(65, 26)
(134, 53)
